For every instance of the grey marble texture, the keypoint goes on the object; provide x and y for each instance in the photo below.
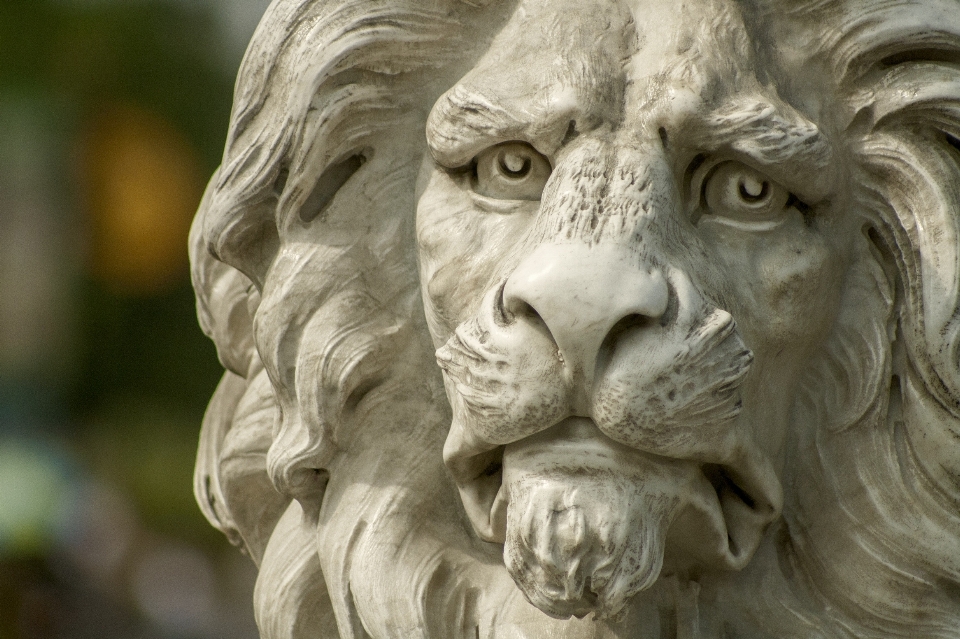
(590, 319)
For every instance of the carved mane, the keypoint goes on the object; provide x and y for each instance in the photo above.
(308, 226)
(886, 396)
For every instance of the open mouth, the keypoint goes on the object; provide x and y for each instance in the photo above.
(586, 522)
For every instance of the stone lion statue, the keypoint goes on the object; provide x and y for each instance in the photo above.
(590, 319)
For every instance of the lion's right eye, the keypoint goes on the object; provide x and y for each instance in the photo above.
(738, 195)
(511, 171)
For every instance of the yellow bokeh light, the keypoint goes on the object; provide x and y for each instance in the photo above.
(143, 183)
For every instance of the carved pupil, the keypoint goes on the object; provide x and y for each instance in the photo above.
(514, 165)
(752, 189)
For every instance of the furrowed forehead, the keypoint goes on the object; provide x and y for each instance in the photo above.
(554, 62)
(558, 65)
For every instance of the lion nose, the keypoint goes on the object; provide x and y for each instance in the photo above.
(580, 294)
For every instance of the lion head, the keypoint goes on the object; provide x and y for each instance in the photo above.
(590, 319)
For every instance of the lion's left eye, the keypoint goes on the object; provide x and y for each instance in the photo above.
(737, 194)
(511, 171)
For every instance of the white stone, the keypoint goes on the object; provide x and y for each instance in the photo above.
(590, 319)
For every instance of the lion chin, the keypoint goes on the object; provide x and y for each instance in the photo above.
(587, 519)
(590, 319)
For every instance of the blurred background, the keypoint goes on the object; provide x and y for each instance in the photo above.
(113, 115)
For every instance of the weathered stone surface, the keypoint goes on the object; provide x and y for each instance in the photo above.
(590, 318)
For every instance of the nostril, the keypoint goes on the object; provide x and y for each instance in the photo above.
(626, 324)
(519, 308)
(510, 308)
(500, 313)
(672, 308)
(526, 313)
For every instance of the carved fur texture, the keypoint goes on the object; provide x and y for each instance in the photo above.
(768, 448)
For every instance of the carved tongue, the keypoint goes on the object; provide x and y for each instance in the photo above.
(587, 518)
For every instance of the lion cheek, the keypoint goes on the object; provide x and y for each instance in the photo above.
(789, 280)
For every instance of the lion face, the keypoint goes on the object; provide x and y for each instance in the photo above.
(625, 262)
(657, 326)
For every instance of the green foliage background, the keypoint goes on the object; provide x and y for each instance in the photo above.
(123, 402)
